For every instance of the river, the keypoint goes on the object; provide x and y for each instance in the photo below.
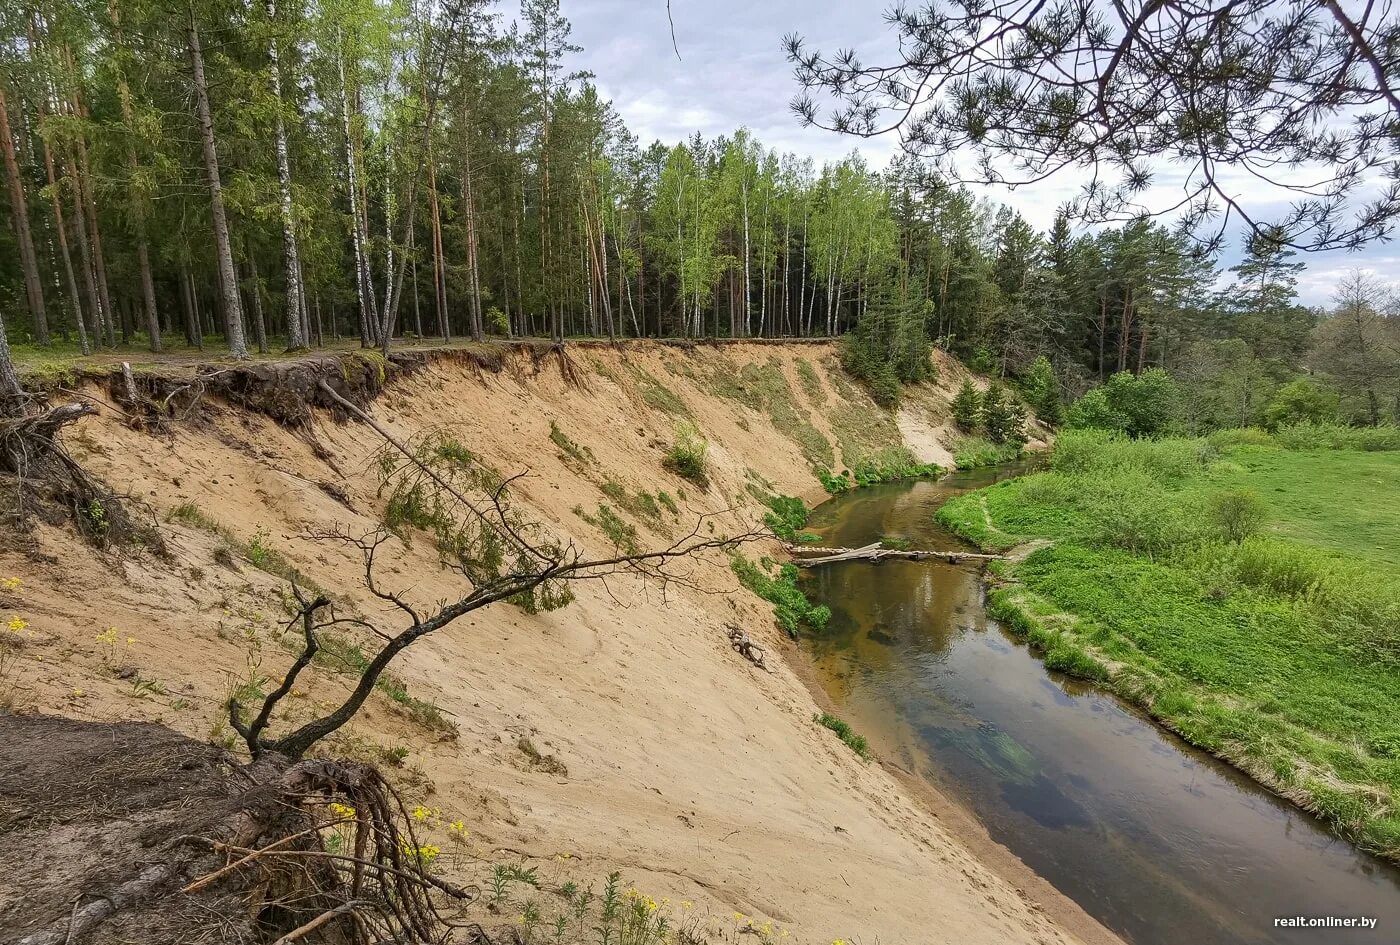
(1160, 842)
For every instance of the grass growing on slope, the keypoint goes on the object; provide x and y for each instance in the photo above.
(791, 608)
(1270, 640)
(764, 387)
(843, 730)
(973, 452)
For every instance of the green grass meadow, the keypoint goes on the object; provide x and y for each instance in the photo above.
(1245, 592)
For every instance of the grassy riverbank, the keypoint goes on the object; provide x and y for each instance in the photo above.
(1247, 594)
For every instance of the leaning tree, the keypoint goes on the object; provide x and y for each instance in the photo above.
(1297, 97)
(499, 555)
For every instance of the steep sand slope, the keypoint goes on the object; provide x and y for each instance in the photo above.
(699, 776)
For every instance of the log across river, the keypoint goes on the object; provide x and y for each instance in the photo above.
(875, 551)
(1157, 840)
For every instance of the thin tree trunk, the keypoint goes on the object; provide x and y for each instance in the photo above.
(297, 322)
(138, 209)
(748, 295)
(228, 278)
(439, 275)
(363, 288)
(469, 222)
(64, 252)
(19, 208)
(804, 321)
(192, 335)
(417, 314)
(787, 268)
(83, 228)
(259, 324)
(105, 313)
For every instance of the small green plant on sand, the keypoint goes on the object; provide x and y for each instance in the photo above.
(856, 743)
(686, 457)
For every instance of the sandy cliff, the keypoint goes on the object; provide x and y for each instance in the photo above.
(699, 776)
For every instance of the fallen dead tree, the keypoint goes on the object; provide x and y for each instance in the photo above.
(875, 552)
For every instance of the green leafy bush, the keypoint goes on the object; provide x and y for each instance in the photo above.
(1308, 435)
(835, 483)
(893, 464)
(1142, 405)
(1003, 418)
(1238, 513)
(791, 608)
(1042, 391)
(786, 516)
(1301, 401)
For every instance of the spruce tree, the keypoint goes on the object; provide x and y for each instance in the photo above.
(967, 407)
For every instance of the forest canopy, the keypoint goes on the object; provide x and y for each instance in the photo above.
(280, 175)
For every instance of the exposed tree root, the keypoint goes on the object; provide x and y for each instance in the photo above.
(314, 851)
(44, 479)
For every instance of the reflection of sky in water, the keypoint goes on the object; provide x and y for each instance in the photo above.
(1155, 839)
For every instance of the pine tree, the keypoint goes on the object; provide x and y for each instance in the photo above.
(1003, 417)
(967, 407)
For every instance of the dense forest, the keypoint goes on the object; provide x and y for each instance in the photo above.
(276, 176)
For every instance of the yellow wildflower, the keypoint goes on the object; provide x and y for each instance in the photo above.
(343, 811)
(421, 813)
(11, 584)
(687, 905)
(130, 640)
(17, 624)
(77, 692)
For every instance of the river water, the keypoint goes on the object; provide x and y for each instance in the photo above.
(1157, 840)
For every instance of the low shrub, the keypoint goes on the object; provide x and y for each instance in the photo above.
(686, 458)
(786, 516)
(1238, 513)
(571, 452)
(834, 483)
(893, 464)
(1309, 435)
(621, 533)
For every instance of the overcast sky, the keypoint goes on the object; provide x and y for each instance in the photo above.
(732, 72)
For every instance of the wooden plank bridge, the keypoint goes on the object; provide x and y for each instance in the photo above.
(809, 556)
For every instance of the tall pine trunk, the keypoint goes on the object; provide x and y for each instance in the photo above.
(12, 398)
(469, 224)
(138, 209)
(19, 208)
(228, 277)
(60, 227)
